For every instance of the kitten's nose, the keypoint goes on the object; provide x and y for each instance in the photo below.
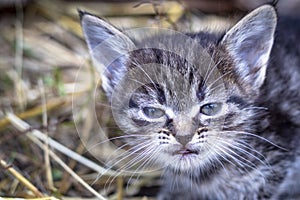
(184, 129)
(183, 139)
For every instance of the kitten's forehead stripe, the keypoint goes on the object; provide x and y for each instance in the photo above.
(237, 100)
(191, 77)
(201, 90)
(133, 104)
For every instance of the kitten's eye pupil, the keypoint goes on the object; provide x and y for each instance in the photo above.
(153, 113)
(211, 109)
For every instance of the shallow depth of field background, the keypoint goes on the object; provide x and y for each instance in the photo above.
(48, 88)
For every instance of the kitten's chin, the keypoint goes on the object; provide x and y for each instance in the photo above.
(183, 161)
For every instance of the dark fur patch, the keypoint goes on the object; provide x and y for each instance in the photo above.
(139, 122)
(239, 101)
(201, 90)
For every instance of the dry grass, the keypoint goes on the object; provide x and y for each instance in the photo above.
(52, 110)
(53, 116)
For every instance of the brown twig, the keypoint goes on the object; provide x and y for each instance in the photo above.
(45, 124)
(21, 178)
(36, 136)
(38, 110)
(120, 186)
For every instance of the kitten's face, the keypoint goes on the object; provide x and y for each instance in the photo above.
(188, 100)
(186, 117)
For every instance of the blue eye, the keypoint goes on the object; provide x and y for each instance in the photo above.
(153, 113)
(211, 109)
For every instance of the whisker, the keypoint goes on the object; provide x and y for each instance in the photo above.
(223, 75)
(133, 151)
(121, 147)
(130, 152)
(140, 169)
(145, 154)
(250, 165)
(110, 167)
(127, 165)
(209, 69)
(150, 79)
(237, 161)
(213, 152)
(143, 84)
(229, 148)
(113, 165)
(210, 63)
(114, 138)
(259, 137)
(244, 151)
(223, 157)
(133, 162)
(246, 145)
(221, 85)
(215, 66)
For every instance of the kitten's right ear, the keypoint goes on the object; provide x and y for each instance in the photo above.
(249, 44)
(109, 49)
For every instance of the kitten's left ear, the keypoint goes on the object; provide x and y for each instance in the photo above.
(249, 44)
(109, 49)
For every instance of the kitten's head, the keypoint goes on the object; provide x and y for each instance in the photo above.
(188, 97)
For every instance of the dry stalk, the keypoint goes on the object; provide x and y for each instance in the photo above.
(19, 86)
(67, 169)
(45, 124)
(52, 104)
(36, 136)
(23, 126)
(43, 198)
(120, 183)
(21, 178)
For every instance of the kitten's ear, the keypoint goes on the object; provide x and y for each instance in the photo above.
(108, 47)
(249, 44)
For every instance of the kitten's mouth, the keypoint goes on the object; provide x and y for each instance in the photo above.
(185, 152)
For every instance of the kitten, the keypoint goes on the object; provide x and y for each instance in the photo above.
(220, 113)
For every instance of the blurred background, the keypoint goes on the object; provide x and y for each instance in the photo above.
(49, 88)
